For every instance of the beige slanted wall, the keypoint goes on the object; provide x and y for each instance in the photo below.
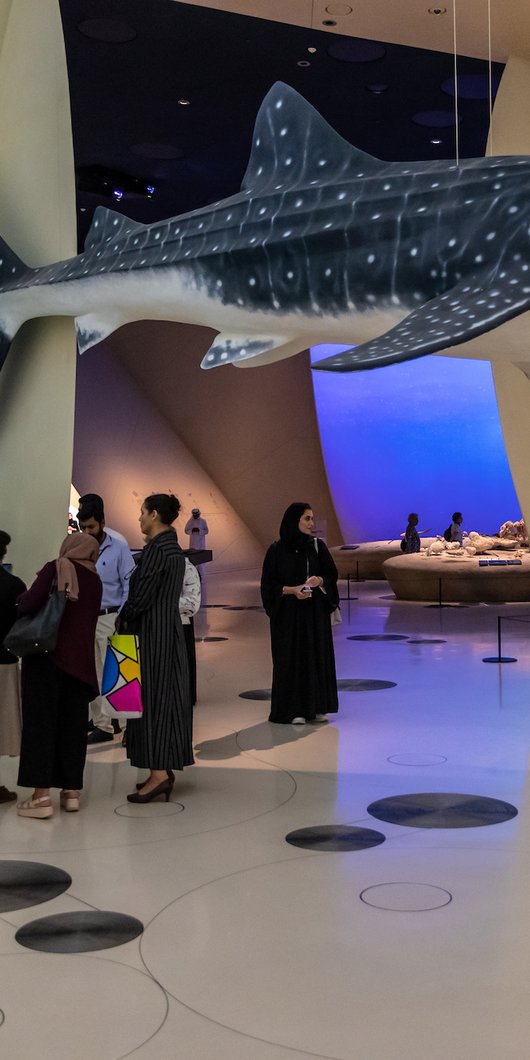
(510, 135)
(37, 219)
(239, 445)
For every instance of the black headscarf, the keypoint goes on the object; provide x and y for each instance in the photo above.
(290, 535)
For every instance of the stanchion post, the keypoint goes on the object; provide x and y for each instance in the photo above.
(499, 658)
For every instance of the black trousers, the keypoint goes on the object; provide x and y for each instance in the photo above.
(54, 725)
(189, 640)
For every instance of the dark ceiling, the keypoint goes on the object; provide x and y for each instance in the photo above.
(132, 62)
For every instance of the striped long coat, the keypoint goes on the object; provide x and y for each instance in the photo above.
(162, 737)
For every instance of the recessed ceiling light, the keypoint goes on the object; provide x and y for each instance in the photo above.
(329, 22)
(312, 50)
(184, 102)
(436, 141)
(377, 89)
(339, 9)
(437, 10)
(303, 62)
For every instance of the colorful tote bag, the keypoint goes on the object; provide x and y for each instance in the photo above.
(122, 684)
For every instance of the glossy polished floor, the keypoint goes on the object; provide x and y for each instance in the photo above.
(395, 934)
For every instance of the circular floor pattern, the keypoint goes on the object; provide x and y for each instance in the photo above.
(427, 640)
(199, 640)
(256, 693)
(406, 897)
(359, 684)
(25, 883)
(417, 760)
(346, 947)
(442, 810)
(335, 837)
(79, 932)
(149, 810)
(87, 1007)
(378, 636)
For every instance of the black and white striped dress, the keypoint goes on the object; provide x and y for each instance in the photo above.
(162, 737)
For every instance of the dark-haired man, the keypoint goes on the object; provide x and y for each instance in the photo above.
(114, 566)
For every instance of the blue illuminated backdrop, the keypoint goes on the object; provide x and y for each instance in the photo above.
(421, 436)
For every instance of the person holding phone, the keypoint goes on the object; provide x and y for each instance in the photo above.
(299, 593)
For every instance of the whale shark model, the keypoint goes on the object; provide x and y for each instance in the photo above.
(322, 244)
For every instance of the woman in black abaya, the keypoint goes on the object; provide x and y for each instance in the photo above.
(299, 592)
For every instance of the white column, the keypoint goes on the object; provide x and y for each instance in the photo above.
(38, 220)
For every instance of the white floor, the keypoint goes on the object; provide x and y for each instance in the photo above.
(254, 948)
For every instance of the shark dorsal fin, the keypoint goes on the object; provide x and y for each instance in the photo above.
(107, 224)
(293, 145)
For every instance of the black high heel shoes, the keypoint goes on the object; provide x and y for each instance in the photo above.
(165, 788)
(170, 776)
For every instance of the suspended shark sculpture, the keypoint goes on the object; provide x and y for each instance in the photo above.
(322, 244)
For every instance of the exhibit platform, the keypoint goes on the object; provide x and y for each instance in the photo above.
(455, 577)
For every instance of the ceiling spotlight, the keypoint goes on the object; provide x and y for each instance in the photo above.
(118, 195)
(339, 9)
(329, 22)
(303, 62)
(184, 102)
(377, 89)
(312, 50)
(436, 140)
(82, 209)
(437, 10)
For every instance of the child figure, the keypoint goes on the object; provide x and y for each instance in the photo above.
(411, 542)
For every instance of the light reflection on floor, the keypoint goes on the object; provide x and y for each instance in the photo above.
(255, 948)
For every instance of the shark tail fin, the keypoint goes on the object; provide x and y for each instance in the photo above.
(11, 269)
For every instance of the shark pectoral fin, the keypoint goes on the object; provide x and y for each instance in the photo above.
(92, 329)
(238, 349)
(466, 311)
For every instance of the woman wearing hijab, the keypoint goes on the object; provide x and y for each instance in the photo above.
(299, 592)
(10, 588)
(57, 687)
(161, 740)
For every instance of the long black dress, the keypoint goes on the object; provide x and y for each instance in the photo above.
(304, 682)
(162, 737)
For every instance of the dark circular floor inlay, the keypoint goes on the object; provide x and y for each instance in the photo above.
(200, 640)
(442, 810)
(256, 693)
(359, 684)
(79, 932)
(25, 883)
(427, 640)
(378, 636)
(335, 837)
(406, 897)
(417, 760)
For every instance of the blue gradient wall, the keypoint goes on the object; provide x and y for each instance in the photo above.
(422, 436)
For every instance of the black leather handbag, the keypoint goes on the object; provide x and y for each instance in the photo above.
(37, 634)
